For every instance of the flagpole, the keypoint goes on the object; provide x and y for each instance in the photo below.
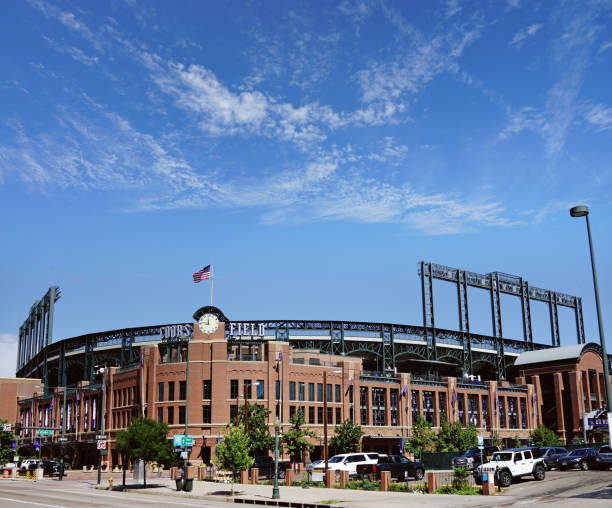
(212, 283)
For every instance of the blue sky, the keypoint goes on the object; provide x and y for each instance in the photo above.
(314, 151)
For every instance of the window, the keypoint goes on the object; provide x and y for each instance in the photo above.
(337, 389)
(182, 390)
(329, 393)
(379, 406)
(394, 404)
(206, 389)
(170, 415)
(260, 389)
(512, 416)
(311, 392)
(330, 415)
(247, 389)
(171, 390)
(205, 414)
(338, 415)
(291, 390)
(473, 410)
(311, 414)
(414, 402)
(502, 413)
(233, 389)
(523, 414)
(428, 407)
(301, 391)
(233, 414)
(277, 386)
(319, 415)
(320, 392)
(461, 408)
(442, 405)
(160, 392)
(181, 415)
(351, 405)
(160, 414)
(277, 412)
(363, 404)
(291, 411)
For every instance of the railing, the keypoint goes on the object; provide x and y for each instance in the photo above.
(473, 386)
(428, 382)
(514, 389)
(382, 377)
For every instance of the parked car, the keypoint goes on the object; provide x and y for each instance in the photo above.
(28, 465)
(344, 462)
(472, 457)
(604, 457)
(312, 465)
(265, 464)
(50, 467)
(583, 458)
(401, 468)
(551, 455)
(508, 465)
(8, 465)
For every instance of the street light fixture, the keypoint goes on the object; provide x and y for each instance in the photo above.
(583, 211)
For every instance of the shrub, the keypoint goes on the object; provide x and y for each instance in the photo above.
(460, 477)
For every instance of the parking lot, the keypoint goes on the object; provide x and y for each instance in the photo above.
(565, 484)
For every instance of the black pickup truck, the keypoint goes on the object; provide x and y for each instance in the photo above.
(402, 468)
(265, 464)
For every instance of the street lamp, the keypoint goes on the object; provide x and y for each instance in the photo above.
(325, 452)
(583, 211)
(103, 370)
(275, 491)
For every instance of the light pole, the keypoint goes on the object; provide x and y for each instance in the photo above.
(275, 491)
(186, 456)
(325, 451)
(583, 211)
(104, 369)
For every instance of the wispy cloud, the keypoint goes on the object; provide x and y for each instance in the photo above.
(600, 116)
(74, 52)
(523, 34)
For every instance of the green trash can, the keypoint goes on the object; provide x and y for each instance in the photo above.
(179, 483)
(188, 484)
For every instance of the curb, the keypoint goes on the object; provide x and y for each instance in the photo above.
(289, 504)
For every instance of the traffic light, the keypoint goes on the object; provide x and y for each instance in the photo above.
(18, 429)
(63, 451)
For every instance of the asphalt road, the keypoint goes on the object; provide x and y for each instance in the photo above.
(69, 494)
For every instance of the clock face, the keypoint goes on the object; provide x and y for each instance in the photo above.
(208, 323)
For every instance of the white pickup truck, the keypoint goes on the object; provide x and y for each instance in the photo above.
(507, 465)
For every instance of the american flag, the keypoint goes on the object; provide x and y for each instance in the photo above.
(202, 274)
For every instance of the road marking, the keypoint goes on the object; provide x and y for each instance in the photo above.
(140, 499)
(31, 502)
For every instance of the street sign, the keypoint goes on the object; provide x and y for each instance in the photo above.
(187, 441)
(101, 445)
(178, 439)
(480, 440)
(7, 427)
(44, 432)
(62, 439)
(101, 436)
(181, 441)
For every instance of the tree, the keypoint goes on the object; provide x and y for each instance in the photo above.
(146, 440)
(232, 454)
(543, 436)
(6, 444)
(296, 438)
(260, 439)
(455, 437)
(347, 438)
(423, 439)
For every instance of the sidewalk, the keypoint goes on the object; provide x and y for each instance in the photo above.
(262, 494)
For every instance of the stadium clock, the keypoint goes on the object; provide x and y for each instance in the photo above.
(208, 323)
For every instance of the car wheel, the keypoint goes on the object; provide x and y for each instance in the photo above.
(584, 465)
(539, 473)
(419, 473)
(562, 468)
(505, 479)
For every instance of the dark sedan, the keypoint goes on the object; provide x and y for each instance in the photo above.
(604, 457)
(551, 455)
(50, 467)
(583, 458)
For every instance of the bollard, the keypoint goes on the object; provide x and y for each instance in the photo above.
(289, 476)
(344, 479)
(27, 475)
(432, 482)
(385, 480)
(254, 475)
(110, 482)
(330, 477)
(488, 484)
(244, 476)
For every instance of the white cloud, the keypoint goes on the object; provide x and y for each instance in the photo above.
(452, 7)
(605, 46)
(8, 359)
(75, 53)
(523, 34)
(514, 4)
(600, 116)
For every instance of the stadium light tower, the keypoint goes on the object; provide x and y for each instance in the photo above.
(583, 211)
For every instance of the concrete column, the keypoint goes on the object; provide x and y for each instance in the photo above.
(558, 380)
(587, 385)
(577, 404)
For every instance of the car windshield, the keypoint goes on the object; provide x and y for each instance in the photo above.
(579, 453)
(501, 457)
(336, 458)
(472, 452)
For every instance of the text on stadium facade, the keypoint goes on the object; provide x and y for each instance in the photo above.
(176, 332)
(254, 329)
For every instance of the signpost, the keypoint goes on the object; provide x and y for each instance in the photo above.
(101, 444)
(182, 441)
(44, 432)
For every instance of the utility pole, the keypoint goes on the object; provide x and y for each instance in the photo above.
(63, 438)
